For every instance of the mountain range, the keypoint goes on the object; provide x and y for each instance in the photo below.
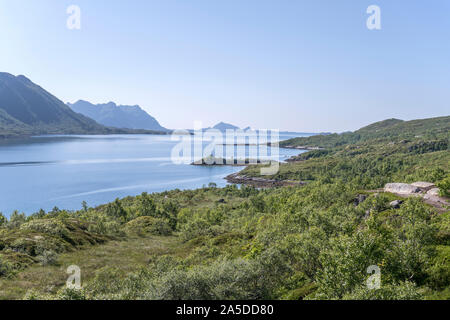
(27, 109)
(112, 115)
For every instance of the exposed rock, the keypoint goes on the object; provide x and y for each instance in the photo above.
(303, 148)
(401, 188)
(360, 198)
(425, 186)
(436, 199)
(433, 192)
(396, 204)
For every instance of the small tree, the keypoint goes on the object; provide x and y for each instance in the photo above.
(85, 206)
(3, 220)
(115, 210)
(444, 187)
(147, 206)
(16, 219)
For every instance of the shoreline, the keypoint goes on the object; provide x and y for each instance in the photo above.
(238, 178)
(302, 148)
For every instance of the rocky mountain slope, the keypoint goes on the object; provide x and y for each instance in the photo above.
(119, 116)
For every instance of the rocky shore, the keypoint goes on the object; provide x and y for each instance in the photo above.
(302, 148)
(226, 162)
(239, 178)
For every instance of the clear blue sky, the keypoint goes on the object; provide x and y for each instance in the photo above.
(293, 65)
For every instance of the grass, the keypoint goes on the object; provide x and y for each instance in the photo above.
(128, 255)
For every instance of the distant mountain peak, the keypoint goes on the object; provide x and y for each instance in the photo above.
(120, 116)
(23, 78)
(112, 104)
(26, 108)
(222, 126)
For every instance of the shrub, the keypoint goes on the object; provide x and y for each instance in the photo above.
(115, 210)
(16, 220)
(223, 280)
(147, 206)
(403, 291)
(71, 294)
(48, 258)
(6, 268)
(345, 263)
(3, 220)
(444, 187)
(148, 225)
(52, 227)
(439, 271)
(105, 225)
(194, 229)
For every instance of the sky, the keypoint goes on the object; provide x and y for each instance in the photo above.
(305, 66)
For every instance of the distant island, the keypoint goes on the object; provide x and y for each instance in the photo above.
(223, 127)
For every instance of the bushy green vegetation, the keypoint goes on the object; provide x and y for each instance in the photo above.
(287, 243)
(387, 130)
(388, 151)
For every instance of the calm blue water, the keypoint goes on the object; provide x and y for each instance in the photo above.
(62, 171)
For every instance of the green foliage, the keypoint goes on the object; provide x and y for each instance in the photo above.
(16, 220)
(148, 225)
(115, 210)
(147, 206)
(439, 271)
(6, 268)
(344, 264)
(387, 130)
(71, 294)
(403, 291)
(52, 227)
(48, 257)
(3, 220)
(444, 186)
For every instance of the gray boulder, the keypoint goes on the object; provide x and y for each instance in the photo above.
(425, 186)
(433, 192)
(359, 199)
(401, 188)
(396, 204)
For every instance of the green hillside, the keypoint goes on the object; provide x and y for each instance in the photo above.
(388, 130)
(386, 151)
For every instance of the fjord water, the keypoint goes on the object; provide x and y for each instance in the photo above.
(62, 171)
